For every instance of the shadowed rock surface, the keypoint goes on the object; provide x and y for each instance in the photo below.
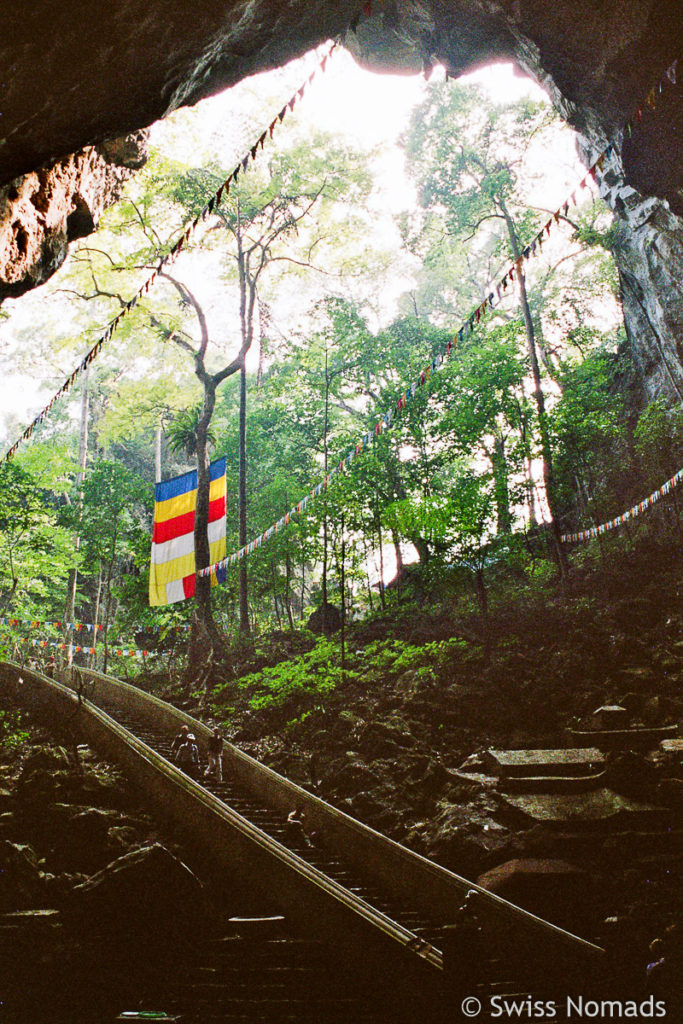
(43, 211)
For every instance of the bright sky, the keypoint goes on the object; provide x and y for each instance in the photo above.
(370, 110)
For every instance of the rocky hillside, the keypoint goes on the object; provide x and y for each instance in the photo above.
(428, 689)
(399, 739)
(90, 885)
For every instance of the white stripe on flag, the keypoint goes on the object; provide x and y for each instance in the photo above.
(175, 591)
(216, 530)
(179, 546)
(175, 548)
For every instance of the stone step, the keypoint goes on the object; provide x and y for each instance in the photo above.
(551, 783)
(573, 762)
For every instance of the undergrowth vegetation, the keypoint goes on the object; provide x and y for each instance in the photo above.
(13, 733)
(543, 655)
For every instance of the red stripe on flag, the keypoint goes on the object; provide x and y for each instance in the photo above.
(172, 528)
(188, 585)
(169, 529)
(217, 509)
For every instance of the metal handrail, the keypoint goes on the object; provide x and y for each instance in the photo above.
(404, 939)
(444, 881)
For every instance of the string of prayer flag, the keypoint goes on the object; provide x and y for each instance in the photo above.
(174, 251)
(668, 79)
(493, 297)
(117, 652)
(637, 510)
(90, 627)
(495, 293)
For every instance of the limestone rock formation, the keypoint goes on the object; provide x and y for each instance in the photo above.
(78, 75)
(43, 211)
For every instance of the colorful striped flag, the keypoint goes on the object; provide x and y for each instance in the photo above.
(172, 570)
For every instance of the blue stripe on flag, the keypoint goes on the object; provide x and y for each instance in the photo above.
(178, 485)
(217, 469)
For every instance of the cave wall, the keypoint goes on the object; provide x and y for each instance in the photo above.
(77, 75)
(648, 248)
(43, 211)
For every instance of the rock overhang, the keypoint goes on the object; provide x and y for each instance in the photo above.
(77, 75)
(82, 83)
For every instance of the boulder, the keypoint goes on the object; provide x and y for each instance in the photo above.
(631, 774)
(21, 882)
(553, 889)
(102, 788)
(366, 806)
(37, 786)
(381, 739)
(46, 757)
(325, 621)
(350, 779)
(409, 683)
(7, 824)
(124, 836)
(83, 843)
(146, 896)
(670, 792)
(465, 837)
(58, 888)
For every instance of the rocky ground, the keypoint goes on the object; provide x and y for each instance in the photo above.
(91, 888)
(426, 689)
(387, 744)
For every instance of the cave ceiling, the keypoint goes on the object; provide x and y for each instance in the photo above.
(81, 82)
(77, 74)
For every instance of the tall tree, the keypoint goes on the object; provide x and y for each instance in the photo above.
(466, 159)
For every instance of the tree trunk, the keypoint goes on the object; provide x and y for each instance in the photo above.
(546, 456)
(10, 594)
(530, 493)
(382, 595)
(70, 610)
(157, 454)
(528, 475)
(422, 548)
(98, 598)
(342, 587)
(288, 589)
(245, 627)
(367, 551)
(276, 606)
(482, 593)
(206, 630)
(107, 596)
(303, 585)
(502, 493)
(325, 537)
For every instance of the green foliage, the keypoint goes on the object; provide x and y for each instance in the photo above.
(590, 437)
(299, 682)
(12, 732)
(452, 479)
(658, 442)
(181, 432)
(392, 657)
(35, 551)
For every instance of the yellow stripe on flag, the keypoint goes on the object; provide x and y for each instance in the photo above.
(217, 488)
(184, 503)
(173, 507)
(157, 593)
(217, 550)
(176, 569)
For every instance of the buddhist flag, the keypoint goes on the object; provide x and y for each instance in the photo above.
(172, 572)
